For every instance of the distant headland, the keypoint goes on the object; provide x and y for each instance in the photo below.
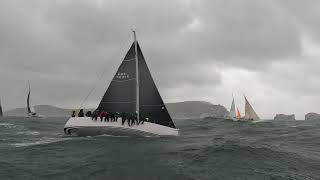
(178, 110)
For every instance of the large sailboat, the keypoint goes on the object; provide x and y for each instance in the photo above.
(30, 109)
(250, 114)
(131, 91)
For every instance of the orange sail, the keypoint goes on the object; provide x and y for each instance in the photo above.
(238, 114)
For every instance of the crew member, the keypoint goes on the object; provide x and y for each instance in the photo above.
(95, 115)
(73, 113)
(81, 113)
(88, 114)
(103, 115)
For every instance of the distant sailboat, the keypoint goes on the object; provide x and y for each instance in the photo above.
(238, 114)
(132, 91)
(31, 112)
(250, 114)
(232, 114)
(1, 113)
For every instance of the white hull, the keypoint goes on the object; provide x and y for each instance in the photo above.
(85, 126)
(244, 120)
(35, 116)
(241, 119)
(231, 119)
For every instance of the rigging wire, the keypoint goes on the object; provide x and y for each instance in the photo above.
(101, 76)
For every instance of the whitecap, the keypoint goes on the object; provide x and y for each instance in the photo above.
(34, 133)
(8, 125)
(40, 142)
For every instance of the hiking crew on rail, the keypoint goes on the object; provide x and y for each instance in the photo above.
(96, 115)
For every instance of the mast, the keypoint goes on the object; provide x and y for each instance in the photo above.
(137, 74)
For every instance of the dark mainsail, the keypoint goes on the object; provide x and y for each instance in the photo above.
(1, 113)
(151, 103)
(121, 93)
(28, 101)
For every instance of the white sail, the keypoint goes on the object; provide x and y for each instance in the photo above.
(250, 114)
(232, 110)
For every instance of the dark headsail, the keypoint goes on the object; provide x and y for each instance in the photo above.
(121, 93)
(28, 101)
(1, 113)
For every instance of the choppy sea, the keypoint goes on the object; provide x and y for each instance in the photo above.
(206, 149)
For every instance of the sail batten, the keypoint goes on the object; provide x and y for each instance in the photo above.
(152, 105)
(118, 102)
(124, 80)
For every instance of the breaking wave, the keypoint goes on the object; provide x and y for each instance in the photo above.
(34, 133)
(39, 142)
(8, 125)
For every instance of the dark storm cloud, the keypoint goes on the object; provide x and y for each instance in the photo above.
(86, 23)
(63, 46)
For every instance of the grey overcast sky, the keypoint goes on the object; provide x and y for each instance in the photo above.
(196, 50)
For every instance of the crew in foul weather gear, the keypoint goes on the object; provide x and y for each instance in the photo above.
(112, 117)
(141, 120)
(88, 114)
(81, 113)
(123, 117)
(171, 124)
(117, 115)
(103, 115)
(95, 115)
(73, 113)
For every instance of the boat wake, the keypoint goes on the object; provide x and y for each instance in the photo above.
(262, 121)
(109, 135)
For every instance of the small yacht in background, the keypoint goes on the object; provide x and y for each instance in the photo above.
(1, 113)
(238, 116)
(232, 113)
(250, 114)
(30, 109)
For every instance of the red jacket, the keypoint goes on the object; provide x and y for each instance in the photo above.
(103, 114)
